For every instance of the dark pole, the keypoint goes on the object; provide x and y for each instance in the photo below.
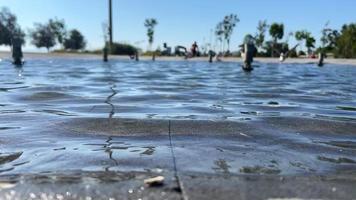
(110, 24)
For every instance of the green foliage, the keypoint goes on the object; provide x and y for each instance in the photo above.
(273, 48)
(151, 53)
(276, 31)
(75, 41)
(47, 35)
(293, 53)
(229, 23)
(9, 29)
(329, 39)
(150, 25)
(306, 36)
(219, 31)
(301, 53)
(58, 28)
(310, 42)
(43, 37)
(301, 35)
(346, 42)
(261, 33)
(123, 49)
(225, 28)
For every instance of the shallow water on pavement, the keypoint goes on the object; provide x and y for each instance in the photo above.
(47, 91)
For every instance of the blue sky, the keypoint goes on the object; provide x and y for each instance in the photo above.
(181, 21)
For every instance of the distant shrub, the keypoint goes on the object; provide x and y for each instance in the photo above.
(123, 49)
(75, 41)
(346, 42)
(150, 53)
(293, 53)
(301, 53)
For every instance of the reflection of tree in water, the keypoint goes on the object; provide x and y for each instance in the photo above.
(19, 70)
(112, 88)
(221, 166)
(149, 151)
(108, 101)
(111, 79)
(108, 150)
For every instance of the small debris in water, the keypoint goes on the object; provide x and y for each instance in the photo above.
(32, 195)
(156, 181)
(9, 157)
(63, 148)
(4, 186)
(243, 134)
(158, 170)
(273, 103)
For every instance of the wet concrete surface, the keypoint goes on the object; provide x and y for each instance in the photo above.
(200, 159)
(86, 185)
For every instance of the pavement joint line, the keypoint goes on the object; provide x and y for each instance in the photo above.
(179, 182)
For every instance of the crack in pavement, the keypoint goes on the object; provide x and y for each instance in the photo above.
(176, 175)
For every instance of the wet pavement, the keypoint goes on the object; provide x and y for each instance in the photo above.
(269, 158)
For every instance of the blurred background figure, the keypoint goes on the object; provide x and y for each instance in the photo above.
(248, 51)
(17, 54)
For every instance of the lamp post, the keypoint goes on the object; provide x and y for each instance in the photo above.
(110, 25)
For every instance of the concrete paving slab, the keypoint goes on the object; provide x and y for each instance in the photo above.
(262, 187)
(116, 126)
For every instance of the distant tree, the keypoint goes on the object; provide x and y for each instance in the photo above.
(9, 29)
(306, 36)
(150, 25)
(58, 27)
(346, 42)
(229, 23)
(224, 30)
(300, 35)
(273, 48)
(277, 32)
(219, 33)
(261, 33)
(42, 36)
(329, 38)
(75, 41)
(310, 43)
(47, 35)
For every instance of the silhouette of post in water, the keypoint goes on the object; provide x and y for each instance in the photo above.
(108, 31)
(110, 25)
(136, 56)
(321, 59)
(212, 54)
(17, 54)
(249, 51)
(105, 54)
